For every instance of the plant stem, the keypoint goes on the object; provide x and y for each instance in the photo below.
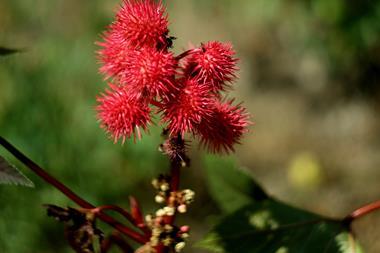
(125, 214)
(175, 176)
(175, 170)
(69, 193)
(177, 161)
(186, 53)
(362, 211)
(156, 103)
(118, 209)
(182, 55)
(115, 239)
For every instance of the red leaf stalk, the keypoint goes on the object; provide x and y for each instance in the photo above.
(69, 193)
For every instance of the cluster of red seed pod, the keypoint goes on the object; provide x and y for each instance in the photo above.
(187, 90)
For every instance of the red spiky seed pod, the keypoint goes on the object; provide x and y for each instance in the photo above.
(139, 24)
(213, 64)
(142, 23)
(224, 127)
(187, 107)
(121, 115)
(112, 55)
(148, 72)
(135, 54)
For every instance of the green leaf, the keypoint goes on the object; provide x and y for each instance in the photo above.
(262, 224)
(348, 244)
(9, 174)
(229, 187)
(270, 226)
(7, 51)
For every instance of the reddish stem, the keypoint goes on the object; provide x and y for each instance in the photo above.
(162, 249)
(115, 239)
(69, 193)
(137, 215)
(176, 164)
(362, 211)
(126, 214)
(118, 209)
(186, 53)
(156, 103)
(175, 175)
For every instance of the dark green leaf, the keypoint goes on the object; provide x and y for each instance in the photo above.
(7, 51)
(273, 227)
(230, 187)
(261, 224)
(9, 174)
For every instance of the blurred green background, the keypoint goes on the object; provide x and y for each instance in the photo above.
(309, 75)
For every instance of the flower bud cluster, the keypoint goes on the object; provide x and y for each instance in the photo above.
(167, 235)
(174, 200)
(186, 90)
(163, 232)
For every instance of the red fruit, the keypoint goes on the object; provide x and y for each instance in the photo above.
(142, 23)
(212, 64)
(113, 54)
(148, 72)
(122, 115)
(224, 127)
(187, 107)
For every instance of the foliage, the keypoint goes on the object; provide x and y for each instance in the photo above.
(9, 174)
(47, 104)
(258, 223)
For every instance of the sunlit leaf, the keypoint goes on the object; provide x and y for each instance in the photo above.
(9, 174)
